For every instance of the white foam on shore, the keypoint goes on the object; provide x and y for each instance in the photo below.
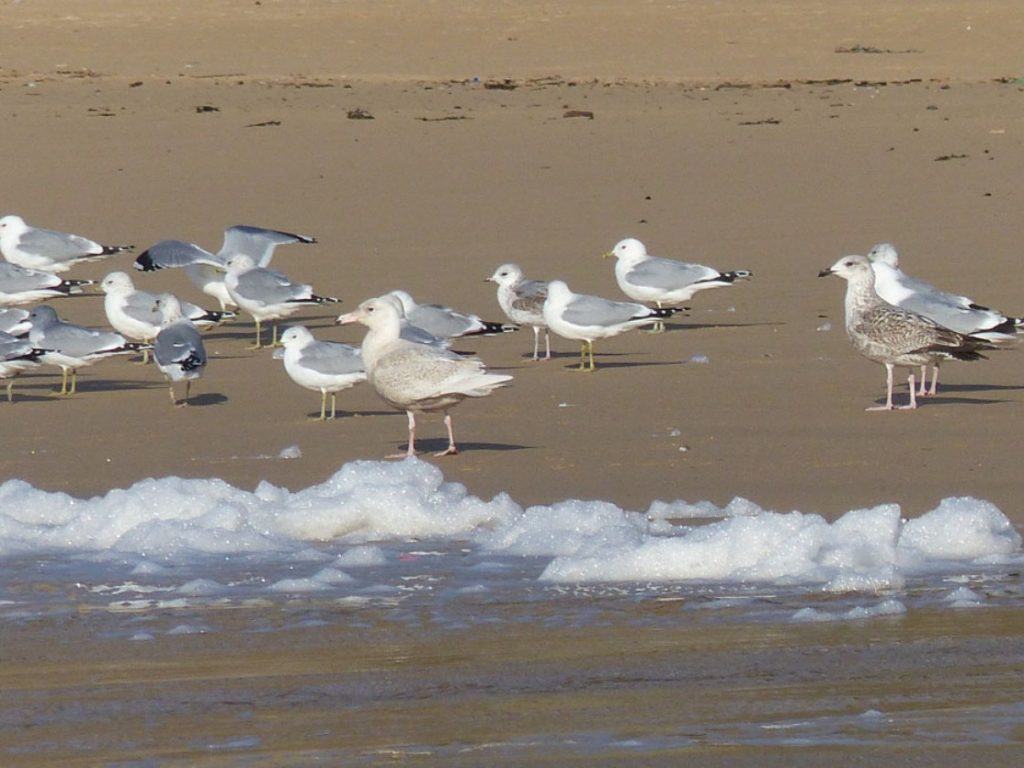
(345, 525)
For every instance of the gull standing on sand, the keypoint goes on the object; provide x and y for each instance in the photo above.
(665, 282)
(522, 301)
(26, 286)
(71, 346)
(205, 269)
(267, 295)
(413, 377)
(47, 250)
(136, 314)
(445, 322)
(958, 313)
(893, 336)
(178, 348)
(326, 367)
(16, 355)
(587, 318)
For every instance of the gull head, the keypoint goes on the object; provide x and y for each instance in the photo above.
(117, 282)
(628, 250)
(12, 226)
(169, 306)
(297, 336)
(850, 268)
(884, 253)
(373, 313)
(240, 262)
(506, 274)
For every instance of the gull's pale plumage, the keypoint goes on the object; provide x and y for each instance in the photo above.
(958, 313)
(178, 348)
(665, 282)
(47, 250)
(71, 346)
(522, 301)
(14, 321)
(416, 378)
(587, 318)
(205, 269)
(27, 286)
(266, 294)
(327, 367)
(893, 336)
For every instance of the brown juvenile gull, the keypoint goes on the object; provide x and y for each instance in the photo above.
(416, 378)
(522, 301)
(893, 336)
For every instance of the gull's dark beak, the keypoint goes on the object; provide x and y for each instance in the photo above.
(825, 272)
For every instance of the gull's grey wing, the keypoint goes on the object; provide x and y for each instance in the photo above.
(257, 242)
(143, 306)
(269, 287)
(57, 246)
(668, 275)
(594, 310)
(529, 296)
(15, 279)
(179, 343)
(75, 341)
(169, 254)
(332, 358)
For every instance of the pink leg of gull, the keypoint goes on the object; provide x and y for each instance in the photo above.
(913, 399)
(411, 451)
(451, 450)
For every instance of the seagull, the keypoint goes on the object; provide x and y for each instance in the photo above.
(47, 250)
(265, 294)
(136, 314)
(326, 367)
(958, 313)
(445, 322)
(16, 355)
(522, 301)
(205, 269)
(416, 378)
(26, 286)
(893, 336)
(71, 346)
(586, 318)
(178, 348)
(14, 320)
(665, 282)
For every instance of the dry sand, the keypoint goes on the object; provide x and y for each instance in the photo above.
(775, 136)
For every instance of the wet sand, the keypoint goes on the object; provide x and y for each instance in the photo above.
(770, 136)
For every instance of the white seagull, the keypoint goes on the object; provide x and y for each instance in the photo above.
(522, 301)
(267, 295)
(588, 318)
(326, 367)
(71, 346)
(665, 282)
(416, 378)
(958, 313)
(178, 348)
(205, 269)
(47, 250)
(893, 336)
(27, 286)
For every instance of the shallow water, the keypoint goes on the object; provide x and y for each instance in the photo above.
(388, 616)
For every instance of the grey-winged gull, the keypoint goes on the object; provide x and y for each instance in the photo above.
(327, 367)
(47, 250)
(71, 346)
(205, 269)
(522, 301)
(19, 285)
(178, 348)
(665, 282)
(893, 336)
(14, 320)
(587, 318)
(958, 313)
(417, 378)
(266, 294)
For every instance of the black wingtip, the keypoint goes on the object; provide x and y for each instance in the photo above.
(738, 274)
(110, 250)
(145, 263)
(664, 312)
(492, 329)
